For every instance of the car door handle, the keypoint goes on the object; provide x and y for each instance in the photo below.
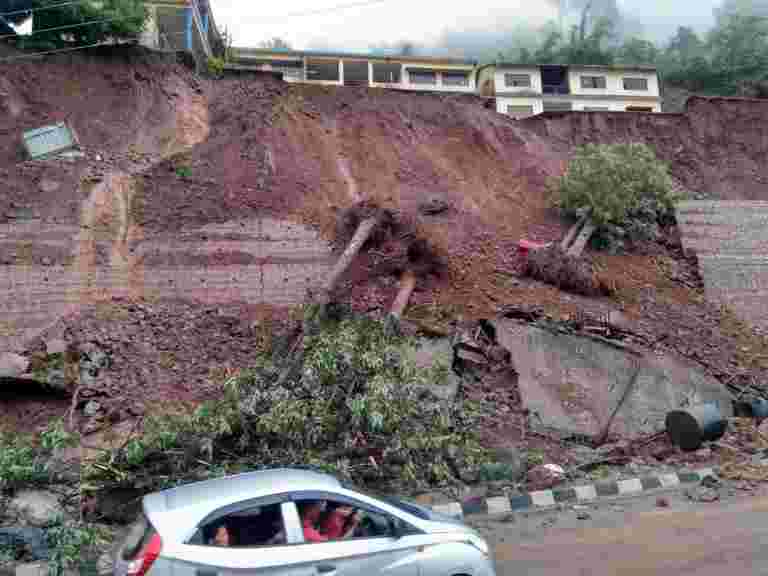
(326, 568)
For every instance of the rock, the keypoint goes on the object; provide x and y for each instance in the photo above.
(104, 565)
(662, 502)
(703, 453)
(49, 186)
(12, 365)
(57, 379)
(56, 346)
(434, 205)
(37, 508)
(30, 542)
(707, 491)
(92, 408)
(545, 476)
(33, 569)
(437, 355)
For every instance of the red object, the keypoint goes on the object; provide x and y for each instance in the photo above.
(312, 535)
(334, 525)
(525, 246)
(143, 562)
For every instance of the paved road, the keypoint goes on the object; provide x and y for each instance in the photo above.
(729, 538)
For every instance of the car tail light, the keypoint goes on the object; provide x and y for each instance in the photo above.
(143, 561)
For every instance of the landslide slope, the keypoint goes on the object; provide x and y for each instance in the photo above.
(304, 153)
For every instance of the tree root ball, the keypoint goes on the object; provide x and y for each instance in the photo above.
(351, 218)
(577, 275)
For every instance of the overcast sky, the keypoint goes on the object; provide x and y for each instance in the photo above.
(422, 21)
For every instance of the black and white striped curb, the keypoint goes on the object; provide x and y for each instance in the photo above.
(574, 495)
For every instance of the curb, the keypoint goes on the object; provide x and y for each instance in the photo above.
(544, 499)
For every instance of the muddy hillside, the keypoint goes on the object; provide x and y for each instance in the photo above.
(229, 192)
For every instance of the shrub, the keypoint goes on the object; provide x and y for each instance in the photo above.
(216, 66)
(624, 187)
(24, 460)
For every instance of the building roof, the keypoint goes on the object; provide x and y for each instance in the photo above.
(262, 52)
(617, 67)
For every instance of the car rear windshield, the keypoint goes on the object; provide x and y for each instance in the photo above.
(137, 536)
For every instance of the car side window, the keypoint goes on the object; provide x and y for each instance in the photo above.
(247, 528)
(332, 520)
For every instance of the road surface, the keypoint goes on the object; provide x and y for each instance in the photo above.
(727, 538)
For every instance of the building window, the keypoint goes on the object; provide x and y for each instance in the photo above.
(636, 84)
(554, 106)
(422, 77)
(593, 82)
(596, 109)
(517, 80)
(455, 79)
(384, 73)
(519, 111)
(326, 70)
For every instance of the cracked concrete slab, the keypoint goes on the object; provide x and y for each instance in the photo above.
(574, 383)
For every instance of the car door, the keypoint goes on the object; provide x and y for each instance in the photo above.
(369, 556)
(196, 558)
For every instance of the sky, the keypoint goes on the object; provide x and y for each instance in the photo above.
(358, 27)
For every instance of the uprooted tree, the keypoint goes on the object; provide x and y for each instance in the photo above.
(357, 407)
(626, 191)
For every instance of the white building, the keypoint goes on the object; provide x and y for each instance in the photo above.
(526, 90)
(339, 69)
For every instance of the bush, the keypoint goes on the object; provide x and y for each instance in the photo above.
(24, 460)
(216, 66)
(624, 187)
(355, 407)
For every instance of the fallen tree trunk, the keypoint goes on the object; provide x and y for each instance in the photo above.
(362, 234)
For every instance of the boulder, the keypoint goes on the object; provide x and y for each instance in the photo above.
(12, 365)
(437, 355)
(55, 346)
(545, 476)
(37, 508)
(48, 186)
(25, 542)
(434, 205)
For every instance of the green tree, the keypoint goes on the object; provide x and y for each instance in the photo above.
(87, 22)
(626, 190)
(637, 51)
(739, 47)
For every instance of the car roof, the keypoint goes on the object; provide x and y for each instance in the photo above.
(240, 487)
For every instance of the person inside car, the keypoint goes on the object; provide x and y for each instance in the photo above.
(220, 535)
(339, 521)
(310, 512)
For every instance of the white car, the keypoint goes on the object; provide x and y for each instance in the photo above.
(251, 524)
